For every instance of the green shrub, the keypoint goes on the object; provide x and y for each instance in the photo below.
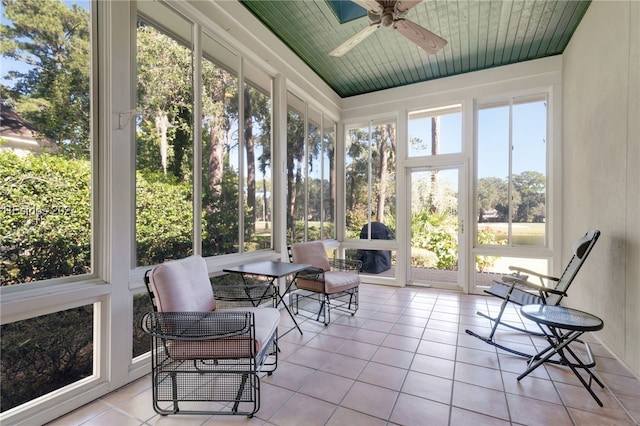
(45, 217)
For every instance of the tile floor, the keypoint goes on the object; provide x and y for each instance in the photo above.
(403, 359)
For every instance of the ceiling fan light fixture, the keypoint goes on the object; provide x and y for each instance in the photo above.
(387, 19)
(391, 13)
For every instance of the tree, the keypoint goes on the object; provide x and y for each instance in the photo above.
(492, 194)
(165, 96)
(53, 93)
(531, 186)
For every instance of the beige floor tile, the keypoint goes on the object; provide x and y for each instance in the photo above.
(460, 417)
(368, 336)
(395, 357)
(631, 405)
(326, 342)
(383, 375)
(303, 410)
(376, 325)
(435, 366)
(327, 387)
(407, 330)
(309, 357)
(477, 357)
(428, 387)
(440, 350)
(289, 376)
(531, 387)
(403, 343)
(358, 350)
(115, 417)
(370, 399)
(440, 336)
(343, 416)
(82, 414)
(411, 410)
(345, 366)
(528, 411)
(578, 397)
(481, 400)
(583, 418)
(475, 374)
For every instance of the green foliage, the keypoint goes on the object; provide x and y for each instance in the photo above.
(164, 217)
(486, 236)
(45, 217)
(42, 354)
(437, 233)
(527, 197)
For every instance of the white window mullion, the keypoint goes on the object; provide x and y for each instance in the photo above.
(197, 139)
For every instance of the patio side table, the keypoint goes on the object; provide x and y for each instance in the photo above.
(561, 326)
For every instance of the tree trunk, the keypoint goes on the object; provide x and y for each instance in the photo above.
(385, 136)
(162, 126)
(249, 145)
(435, 149)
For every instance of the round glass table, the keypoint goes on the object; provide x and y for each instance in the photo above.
(561, 326)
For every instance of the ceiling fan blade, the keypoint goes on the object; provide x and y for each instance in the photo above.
(425, 39)
(370, 5)
(354, 40)
(404, 5)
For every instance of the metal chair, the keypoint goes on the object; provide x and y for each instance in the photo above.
(332, 282)
(517, 289)
(199, 354)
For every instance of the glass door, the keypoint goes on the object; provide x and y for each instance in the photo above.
(435, 227)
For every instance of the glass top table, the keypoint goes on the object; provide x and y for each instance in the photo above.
(561, 317)
(273, 270)
(560, 327)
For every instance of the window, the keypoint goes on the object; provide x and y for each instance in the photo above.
(310, 173)
(227, 180)
(435, 131)
(220, 151)
(511, 181)
(370, 175)
(46, 227)
(164, 142)
(328, 179)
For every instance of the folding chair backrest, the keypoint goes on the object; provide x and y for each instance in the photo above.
(182, 286)
(581, 249)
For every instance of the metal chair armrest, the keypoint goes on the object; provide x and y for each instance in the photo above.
(195, 326)
(520, 270)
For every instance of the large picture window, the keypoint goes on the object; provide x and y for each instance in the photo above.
(164, 142)
(47, 195)
(370, 175)
(230, 189)
(511, 181)
(45, 144)
(310, 173)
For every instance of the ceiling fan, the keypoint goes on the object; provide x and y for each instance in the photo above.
(391, 13)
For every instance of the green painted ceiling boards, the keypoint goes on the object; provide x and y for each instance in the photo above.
(481, 33)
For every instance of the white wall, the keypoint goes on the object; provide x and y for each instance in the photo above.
(601, 157)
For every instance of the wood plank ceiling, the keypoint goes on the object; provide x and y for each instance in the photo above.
(481, 34)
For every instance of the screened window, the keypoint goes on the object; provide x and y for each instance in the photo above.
(46, 227)
(370, 175)
(435, 131)
(511, 184)
(310, 173)
(232, 165)
(164, 140)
